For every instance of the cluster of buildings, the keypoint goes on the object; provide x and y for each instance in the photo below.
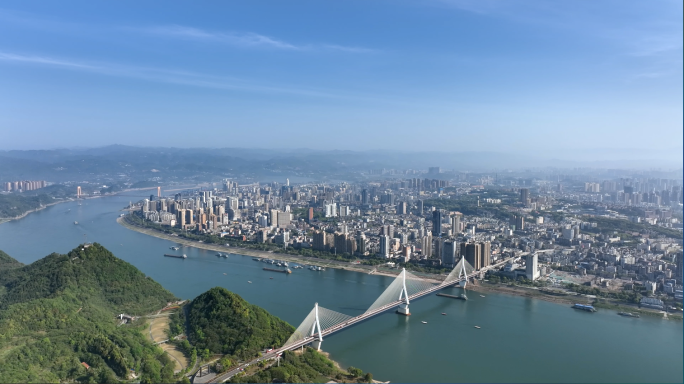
(398, 220)
(24, 185)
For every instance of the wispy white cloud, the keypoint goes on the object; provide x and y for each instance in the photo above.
(657, 45)
(164, 75)
(248, 39)
(243, 39)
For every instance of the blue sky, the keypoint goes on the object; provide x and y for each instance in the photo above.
(546, 76)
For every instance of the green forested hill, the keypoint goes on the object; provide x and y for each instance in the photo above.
(60, 311)
(223, 322)
(7, 262)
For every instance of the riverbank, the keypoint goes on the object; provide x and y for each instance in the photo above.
(8, 219)
(260, 254)
(565, 298)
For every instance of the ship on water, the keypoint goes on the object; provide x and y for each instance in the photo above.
(584, 307)
(628, 314)
(183, 256)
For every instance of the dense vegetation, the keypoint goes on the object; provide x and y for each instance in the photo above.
(222, 322)
(60, 311)
(468, 206)
(608, 225)
(7, 262)
(12, 205)
(307, 367)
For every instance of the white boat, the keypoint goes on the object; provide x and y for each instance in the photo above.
(249, 282)
(477, 326)
(424, 322)
(481, 295)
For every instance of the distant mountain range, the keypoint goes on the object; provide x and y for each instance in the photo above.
(143, 163)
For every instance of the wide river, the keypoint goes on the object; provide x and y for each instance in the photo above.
(520, 340)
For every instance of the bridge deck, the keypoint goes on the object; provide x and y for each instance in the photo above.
(354, 320)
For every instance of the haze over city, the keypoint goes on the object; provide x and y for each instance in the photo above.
(550, 78)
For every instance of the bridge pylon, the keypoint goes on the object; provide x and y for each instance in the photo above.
(404, 308)
(317, 325)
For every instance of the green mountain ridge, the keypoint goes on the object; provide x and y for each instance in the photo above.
(223, 322)
(60, 311)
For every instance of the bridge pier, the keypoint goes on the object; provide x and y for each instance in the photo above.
(317, 344)
(404, 310)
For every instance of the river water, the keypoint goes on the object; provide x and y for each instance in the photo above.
(520, 340)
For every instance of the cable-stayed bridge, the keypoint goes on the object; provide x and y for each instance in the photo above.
(321, 322)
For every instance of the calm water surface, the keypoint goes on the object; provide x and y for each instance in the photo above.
(521, 340)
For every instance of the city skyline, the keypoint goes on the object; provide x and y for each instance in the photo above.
(399, 75)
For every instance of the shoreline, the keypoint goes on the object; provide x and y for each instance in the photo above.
(8, 219)
(256, 253)
(481, 286)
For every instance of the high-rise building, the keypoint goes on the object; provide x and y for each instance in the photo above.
(340, 243)
(436, 222)
(531, 268)
(449, 253)
(361, 243)
(524, 195)
(364, 197)
(456, 224)
(437, 247)
(485, 254)
(401, 208)
(284, 219)
(419, 205)
(385, 246)
(273, 217)
(319, 241)
(181, 218)
(426, 245)
(331, 210)
(311, 215)
(472, 253)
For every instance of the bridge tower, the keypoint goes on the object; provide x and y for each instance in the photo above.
(463, 274)
(404, 308)
(317, 324)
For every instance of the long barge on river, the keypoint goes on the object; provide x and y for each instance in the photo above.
(278, 270)
(183, 256)
(584, 307)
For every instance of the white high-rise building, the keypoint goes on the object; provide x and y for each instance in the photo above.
(531, 267)
(385, 246)
(331, 210)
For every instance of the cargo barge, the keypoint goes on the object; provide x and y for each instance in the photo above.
(628, 314)
(278, 270)
(462, 297)
(583, 307)
(183, 256)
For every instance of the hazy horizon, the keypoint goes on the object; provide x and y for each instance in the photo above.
(628, 158)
